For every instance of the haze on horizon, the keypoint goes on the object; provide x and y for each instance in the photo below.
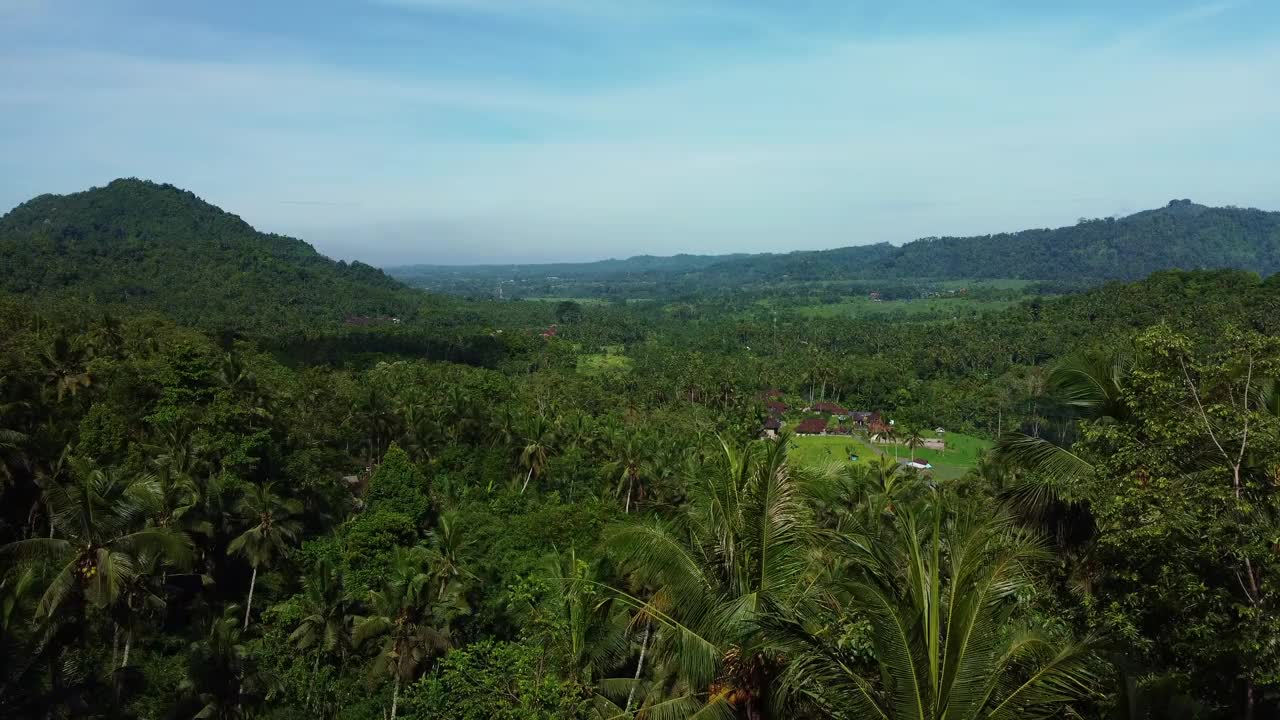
(455, 131)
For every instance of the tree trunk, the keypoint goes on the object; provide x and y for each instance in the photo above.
(395, 697)
(115, 646)
(644, 645)
(315, 667)
(248, 606)
(526, 480)
(128, 643)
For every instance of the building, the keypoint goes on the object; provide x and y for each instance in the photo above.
(771, 428)
(830, 408)
(812, 426)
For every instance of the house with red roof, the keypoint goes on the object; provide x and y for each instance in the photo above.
(830, 408)
(812, 426)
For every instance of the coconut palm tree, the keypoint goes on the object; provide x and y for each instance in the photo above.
(270, 533)
(412, 620)
(98, 532)
(914, 439)
(584, 621)
(744, 546)
(629, 453)
(536, 438)
(326, 604)
(446, 545)
(218, 670)
(941, 592)
(326, 627)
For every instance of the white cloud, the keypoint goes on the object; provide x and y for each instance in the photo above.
(852, 142)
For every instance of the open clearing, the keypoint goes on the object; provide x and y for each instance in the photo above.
(961, 453)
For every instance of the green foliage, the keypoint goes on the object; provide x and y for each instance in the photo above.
(139, 244)
(458, 516)
(398, 486)
(502, 681)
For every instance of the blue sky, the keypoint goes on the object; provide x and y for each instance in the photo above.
(526, 130)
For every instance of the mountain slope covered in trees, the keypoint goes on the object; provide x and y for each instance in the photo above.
(138, 243)
(1182, 235)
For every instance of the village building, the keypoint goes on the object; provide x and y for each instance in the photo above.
(812, 426)
(771, 428)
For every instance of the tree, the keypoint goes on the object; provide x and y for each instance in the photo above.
(98, 532)
(412, 619)
(914, 439)
(272, 531)
(325, 625)
(941, 593)
(536, 438)
(218, 671)
(743, 547)
(629, 461)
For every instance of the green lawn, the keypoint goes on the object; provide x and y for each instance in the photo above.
(820, 449)
(601, 363)
(931, 309)
(961, 453)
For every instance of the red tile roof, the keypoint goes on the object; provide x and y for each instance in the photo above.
(830, 407)
(812, 426)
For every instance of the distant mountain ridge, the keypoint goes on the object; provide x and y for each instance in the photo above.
(1181, 235)
(139, 243)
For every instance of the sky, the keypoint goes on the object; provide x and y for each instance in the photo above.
(470, 131)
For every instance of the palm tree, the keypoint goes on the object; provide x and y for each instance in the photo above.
(446, 544)
(177, 462)
(628, 463)
(325, 601)
(941, 592)
(914, 440)
(64, 361)
(97, 534)
(744, 546)
(536, 438)
(1092, 386)
(412, 620)
(272, 531)
(585, 622)
(142, 596)
(326, 625)
(218, 670)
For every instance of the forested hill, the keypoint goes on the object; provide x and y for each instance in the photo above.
(1182, 235)
(143, 244)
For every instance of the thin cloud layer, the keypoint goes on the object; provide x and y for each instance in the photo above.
(479, 130)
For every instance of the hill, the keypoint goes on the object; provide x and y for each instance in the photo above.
(1182, 235)
(142, 244)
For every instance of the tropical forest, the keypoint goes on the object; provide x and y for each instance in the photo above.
(241, 480)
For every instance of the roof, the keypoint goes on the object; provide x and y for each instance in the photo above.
(812, 426)
(830, 407)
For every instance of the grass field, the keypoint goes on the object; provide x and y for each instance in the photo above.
(602, 363)
(820, 449)
(931, 309)
(961, 453)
